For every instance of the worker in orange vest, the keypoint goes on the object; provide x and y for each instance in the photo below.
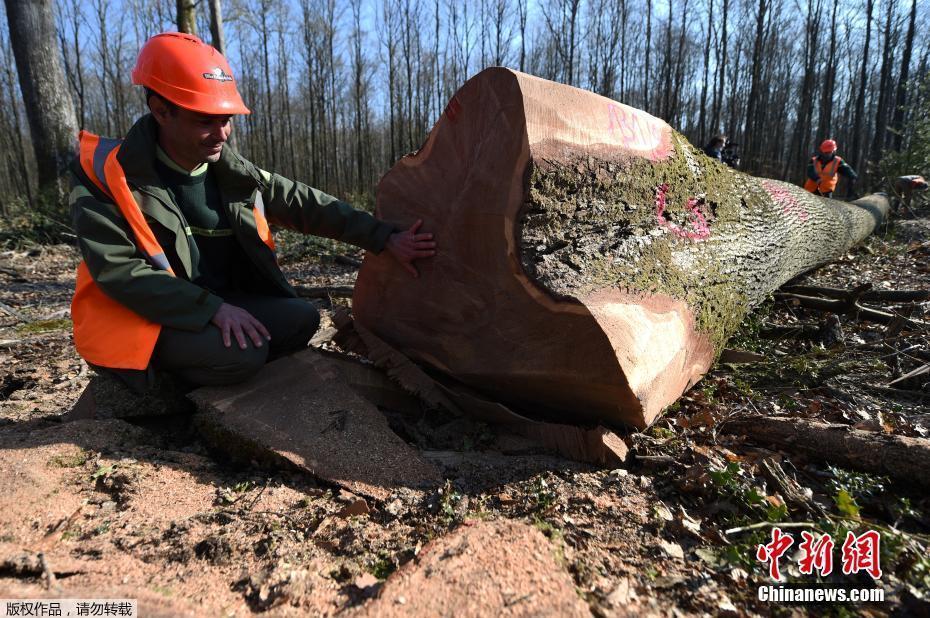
(824, 169)
(179, 274)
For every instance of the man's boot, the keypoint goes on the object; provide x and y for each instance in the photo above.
(107, 396)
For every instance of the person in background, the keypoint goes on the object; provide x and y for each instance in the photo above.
(714, 148)
(824, 170)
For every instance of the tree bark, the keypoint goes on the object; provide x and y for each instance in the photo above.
(857, 129)
(592, 262)
(187, 16)
(752, 103)
(702, 122)
(829, 80)
(722, 69)
(901, 458)
(901, 98)
(800, 142)
(216, 26)
(49, 108)
(884, 94)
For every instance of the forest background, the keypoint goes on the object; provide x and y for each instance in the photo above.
(340, 90)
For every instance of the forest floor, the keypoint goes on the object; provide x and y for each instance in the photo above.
(110, 508)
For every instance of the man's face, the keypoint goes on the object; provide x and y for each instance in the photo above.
(190, 138)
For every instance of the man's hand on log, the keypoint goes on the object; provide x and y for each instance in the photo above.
(408, 246)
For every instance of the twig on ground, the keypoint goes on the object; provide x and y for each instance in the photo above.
(258, 496)
(347, 261)
(326, 291)
(846, 307)
(769, 524)
(13, 312)
(48, 575)
(892, 296)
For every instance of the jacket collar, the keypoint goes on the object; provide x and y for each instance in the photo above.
(137, 153)
(236, 177)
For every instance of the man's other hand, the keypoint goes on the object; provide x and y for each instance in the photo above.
(408, 246)
(239, 322)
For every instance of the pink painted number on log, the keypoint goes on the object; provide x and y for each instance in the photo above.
(699, 229)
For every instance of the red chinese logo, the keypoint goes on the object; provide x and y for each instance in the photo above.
(816, 554)
(772, 552)
(861, 553)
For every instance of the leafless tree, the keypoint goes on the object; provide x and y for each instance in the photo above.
(49, 108)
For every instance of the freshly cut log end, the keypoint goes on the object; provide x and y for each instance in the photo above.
(591, 261)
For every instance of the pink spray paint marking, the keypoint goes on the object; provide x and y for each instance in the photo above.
(638, 131)
(790, 205)
(699, 229)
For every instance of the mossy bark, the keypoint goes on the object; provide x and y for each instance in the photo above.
(591, 262)
(722, 243)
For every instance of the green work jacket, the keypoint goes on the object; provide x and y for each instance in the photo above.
(121, 270)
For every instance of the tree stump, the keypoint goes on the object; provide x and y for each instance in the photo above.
(591, 261)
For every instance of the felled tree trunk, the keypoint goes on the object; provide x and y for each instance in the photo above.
(900, 457)
(591, 261)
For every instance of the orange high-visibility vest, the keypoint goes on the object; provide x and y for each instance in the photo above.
(107, 333)
(828, 175)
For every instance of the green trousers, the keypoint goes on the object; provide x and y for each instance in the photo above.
(201, 359)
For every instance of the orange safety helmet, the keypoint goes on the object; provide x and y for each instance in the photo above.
(189, 73)
(828, 146)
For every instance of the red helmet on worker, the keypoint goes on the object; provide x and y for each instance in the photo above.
(828, 146)
(189, 73)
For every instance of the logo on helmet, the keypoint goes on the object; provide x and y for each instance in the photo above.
(219, 75)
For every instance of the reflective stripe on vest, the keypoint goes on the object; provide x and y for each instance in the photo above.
(107, 333)
(261, 223)
(827, 173)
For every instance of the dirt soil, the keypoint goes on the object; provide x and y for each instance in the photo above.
(146, 510)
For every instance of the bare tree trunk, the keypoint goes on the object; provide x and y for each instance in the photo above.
(624, 19)
(884, 94)
(187, 16)
(358, 70)
(799, 143)
(752, 103)
(218, 40)
(21, 174)
(49, 108)
(702, 122)
(390, 45)
(901, 99)
(216, 26)
(677, 84)
(522, 9)
(902, 458)
(284, 82)
(718, 98)
(268, 112)
(74, 74)
(857, 129)
(825, 125)
(667, 66)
